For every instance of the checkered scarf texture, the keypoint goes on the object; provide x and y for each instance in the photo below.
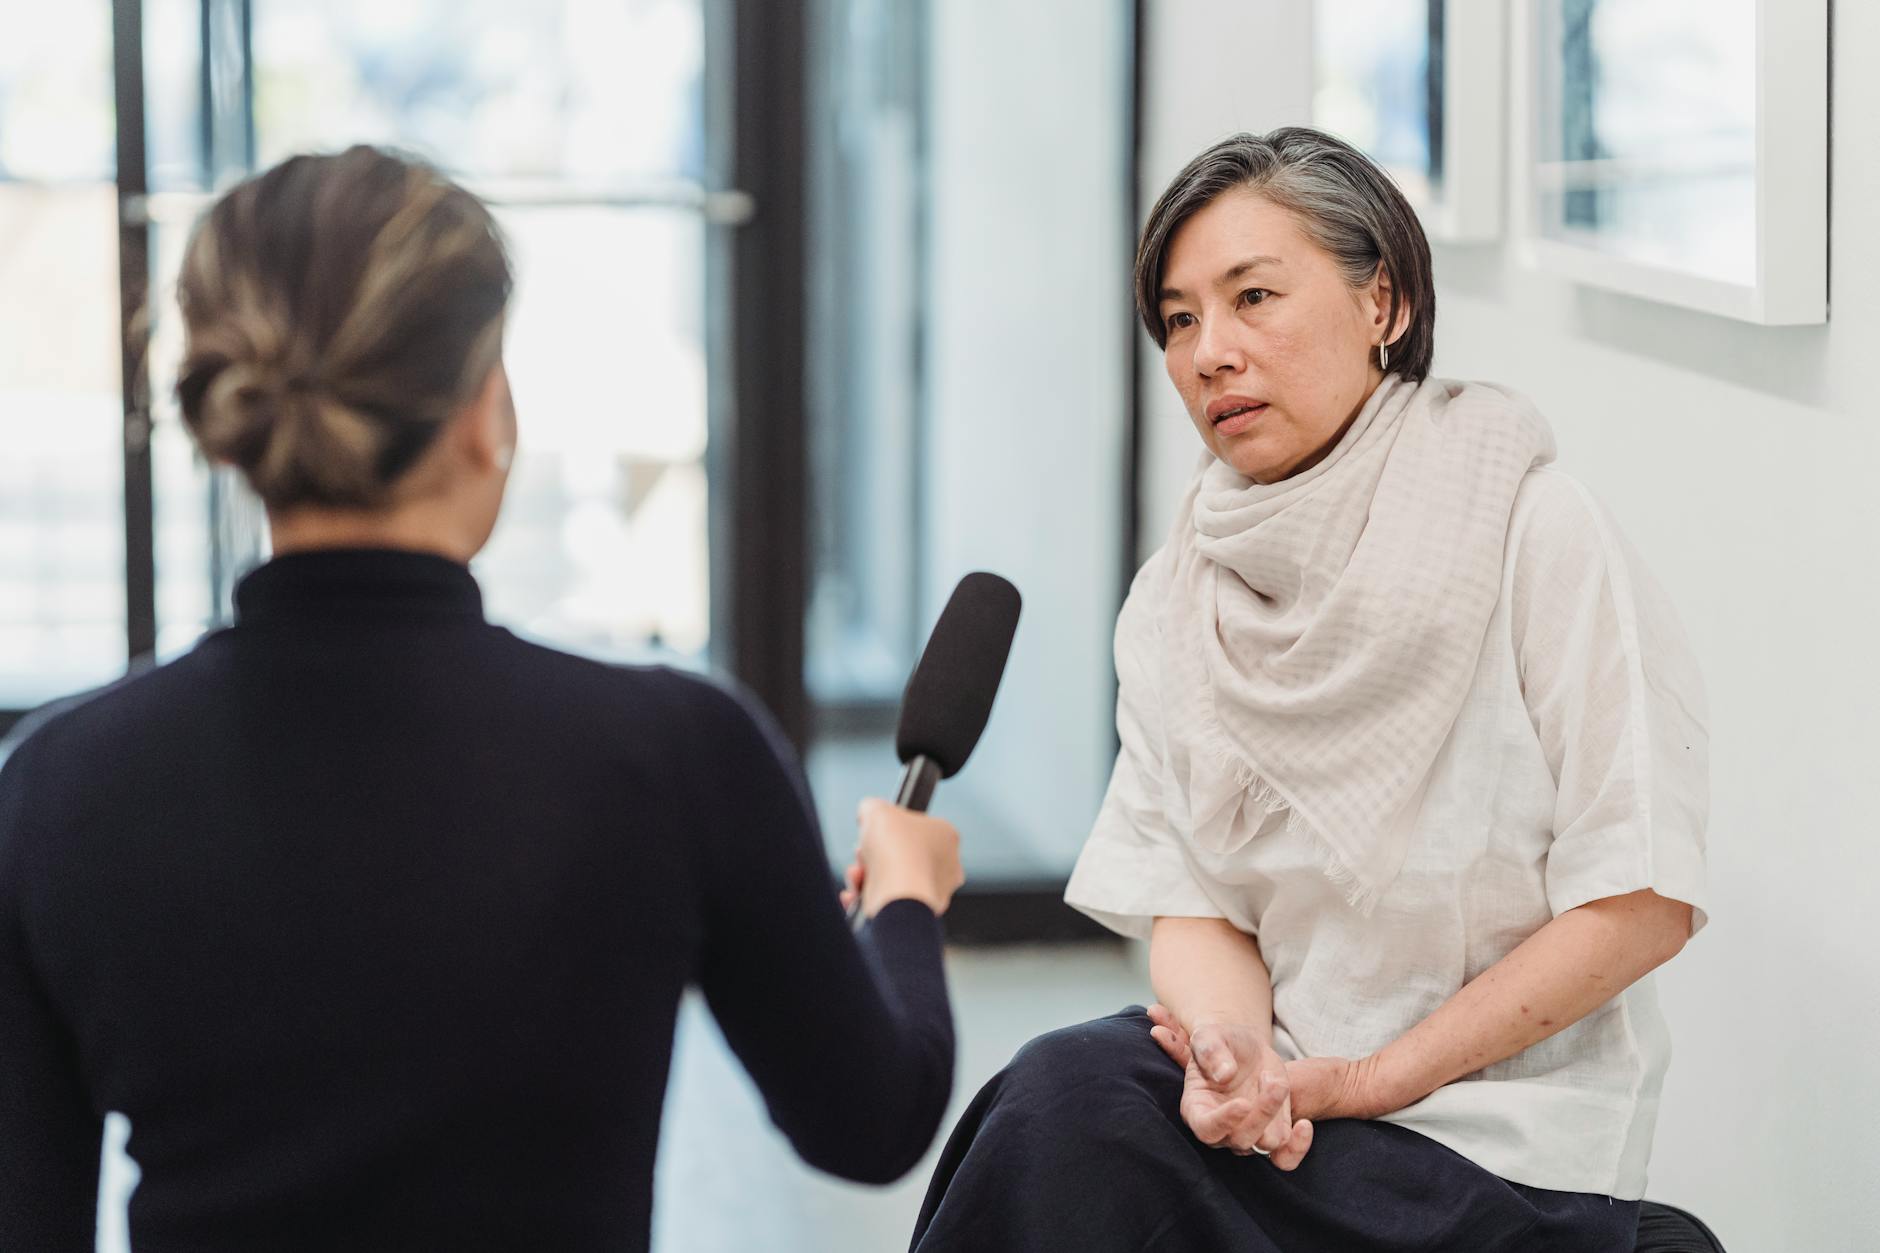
(1318, 635)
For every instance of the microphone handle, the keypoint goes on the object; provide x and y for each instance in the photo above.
(917, 784)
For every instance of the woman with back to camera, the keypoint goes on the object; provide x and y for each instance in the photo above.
(1411, 795)
(371, 917)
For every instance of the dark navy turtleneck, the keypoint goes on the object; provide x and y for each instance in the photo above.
(374, 920)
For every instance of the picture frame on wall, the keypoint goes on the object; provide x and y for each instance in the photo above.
(1420, 86)
(1678, 152)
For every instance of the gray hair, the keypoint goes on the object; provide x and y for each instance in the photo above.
(1344, 203)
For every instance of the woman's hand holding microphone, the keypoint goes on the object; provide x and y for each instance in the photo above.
(903, 855)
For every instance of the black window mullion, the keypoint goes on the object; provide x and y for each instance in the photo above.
(1132, 197)
(133, 186)
(249, 144)
(756, 291)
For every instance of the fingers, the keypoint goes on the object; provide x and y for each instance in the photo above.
(1215, 1126)
(909, 855)
(1173, 1043)
(851, 885)
(1288, 1155)
(1242, 1124)
(1271, 1100)
(1169, 1034)
(1236, 1124)
(1215, 1057)
(1275, 1135)
(1265, 1107)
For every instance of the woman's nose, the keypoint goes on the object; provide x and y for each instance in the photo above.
(1216, 349)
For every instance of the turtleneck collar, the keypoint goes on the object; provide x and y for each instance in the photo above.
(380, 584)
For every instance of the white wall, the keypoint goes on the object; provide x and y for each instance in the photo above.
(1027, 394)
(1210, 68)
(1745, 463)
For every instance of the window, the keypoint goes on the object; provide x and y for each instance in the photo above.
(62, 586)
(972, 338)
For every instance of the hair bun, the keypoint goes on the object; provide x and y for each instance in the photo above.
(337, 311)
(288, 434)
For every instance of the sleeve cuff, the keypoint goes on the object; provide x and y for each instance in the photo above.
(1676, 875)
(1126, 890)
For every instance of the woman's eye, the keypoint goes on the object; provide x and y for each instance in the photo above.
(1176, 321)
(1255, 295)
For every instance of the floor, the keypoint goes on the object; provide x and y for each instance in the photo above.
(728, 1183)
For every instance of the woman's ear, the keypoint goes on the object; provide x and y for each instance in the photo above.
(1388, 329)
(487, 424)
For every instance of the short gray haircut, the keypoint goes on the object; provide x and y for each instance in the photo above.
(1344, 203)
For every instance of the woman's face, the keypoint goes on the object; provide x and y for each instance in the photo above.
(1272, 352)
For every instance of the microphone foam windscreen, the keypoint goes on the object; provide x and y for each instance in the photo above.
(949, 695)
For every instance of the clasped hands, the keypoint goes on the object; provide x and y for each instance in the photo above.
(1240, 1095)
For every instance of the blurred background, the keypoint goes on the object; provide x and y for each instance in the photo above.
(823, 304)
(778, 296)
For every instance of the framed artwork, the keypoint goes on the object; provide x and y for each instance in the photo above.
(1419, 86)
(1679, 151)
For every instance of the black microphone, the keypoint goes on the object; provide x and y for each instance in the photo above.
(949, 696)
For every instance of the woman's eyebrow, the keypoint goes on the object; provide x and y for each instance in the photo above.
(1239, 270)
(1244, 267)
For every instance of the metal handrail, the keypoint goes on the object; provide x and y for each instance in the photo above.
(729, 207)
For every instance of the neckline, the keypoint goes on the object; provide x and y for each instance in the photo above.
(358, 583)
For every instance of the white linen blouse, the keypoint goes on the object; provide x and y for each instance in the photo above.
(1576, 770)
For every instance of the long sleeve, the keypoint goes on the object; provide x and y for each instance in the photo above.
(374, 922)
(850, 1043)
(49, 1137)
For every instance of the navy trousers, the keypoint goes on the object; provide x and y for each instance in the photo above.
(1079, 1145)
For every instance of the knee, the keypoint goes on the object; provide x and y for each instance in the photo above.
(1099, 1060)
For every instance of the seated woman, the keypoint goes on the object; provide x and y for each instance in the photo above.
(1411, 797)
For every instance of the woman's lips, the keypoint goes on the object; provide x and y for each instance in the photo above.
(1235, 421)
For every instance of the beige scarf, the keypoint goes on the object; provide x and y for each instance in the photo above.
(1319, 634)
